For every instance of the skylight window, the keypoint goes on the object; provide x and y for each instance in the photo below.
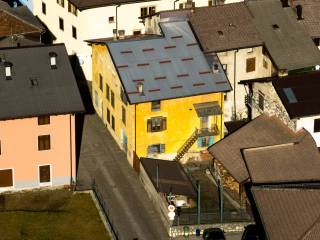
(290, 95)
(8, 70)
(53, 60)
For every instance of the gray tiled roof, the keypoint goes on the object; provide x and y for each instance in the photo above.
(171, 66)
(87, 4)
(288, 213)
(23, 13)
(289, 46)
(225, 27)
(262, 131)
(57, 91)
(293, 162)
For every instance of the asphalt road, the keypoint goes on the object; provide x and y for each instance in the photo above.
(131, 212)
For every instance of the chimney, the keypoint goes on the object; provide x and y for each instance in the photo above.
(215, 68)
(285, 3)
(121, 34)
(140, 88)
(299, 12)
(115, 35)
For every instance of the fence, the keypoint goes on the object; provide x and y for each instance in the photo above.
(104, 207)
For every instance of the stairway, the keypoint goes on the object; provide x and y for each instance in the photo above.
(187, 145)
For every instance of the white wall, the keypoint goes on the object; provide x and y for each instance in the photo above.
(94, 23)
(308, 124)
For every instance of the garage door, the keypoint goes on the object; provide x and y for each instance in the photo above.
(6, 179)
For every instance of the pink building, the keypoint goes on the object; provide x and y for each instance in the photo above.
(39, 98)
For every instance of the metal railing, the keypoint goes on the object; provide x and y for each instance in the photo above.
(104, 207)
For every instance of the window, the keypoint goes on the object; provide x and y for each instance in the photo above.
(108, 115)
(112, 98)
(96, 100)
(265, 64)
(136, 32)
(210, 3)
(225, 96)
(193, 4)
(53, 60)
(155, 106)
(44, 142)
(43, 120)
(156, 148)
(61, 24)
(251, 64)
(152, 10)
(113, 123)
(143, 11)
(111, 19)
(156, 124)
(261, 100)
(74, 32)
(316, 127)
(72, 8)
(8, 70)
(100, 82)
(45, 174)
(123, 115)
(61, 2)
(123, 96)
(44, 8)
(180, 5)
(108, 92)
(6, 178)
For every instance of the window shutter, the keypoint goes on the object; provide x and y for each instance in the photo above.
(164, 123)
(149, 125)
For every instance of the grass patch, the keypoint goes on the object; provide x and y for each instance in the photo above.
(50, 215)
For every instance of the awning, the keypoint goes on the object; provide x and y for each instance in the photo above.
(208, 109)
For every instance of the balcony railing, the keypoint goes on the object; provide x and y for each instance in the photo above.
(206, 132)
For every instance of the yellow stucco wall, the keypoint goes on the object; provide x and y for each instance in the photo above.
(180, 113)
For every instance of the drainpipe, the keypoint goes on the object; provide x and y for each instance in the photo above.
(234, 84)
(70, 135)
(117, 19)
(174, 4)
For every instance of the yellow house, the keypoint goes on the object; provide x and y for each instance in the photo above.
(157, 95)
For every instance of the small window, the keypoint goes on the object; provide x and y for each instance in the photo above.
(210, 3)
(193, 4)
(143, 11)
(108, 115)
(61, 24)
(251, 65)
(43, 120)
(156, 124)
(112, 99)
(261, 101)
(74, 32)
(8, 70)
(53, 60)
(123, 96)
(44, 8)
(123, 115)
(100, 82)
(316, 127)
(44, 142)
(180, 5)
(45, 174)
(108, 92)
(152, 10)
(225, 96)
(72, 9)
(111, 19)
(155, 105)
(61, 2)
(265, 64)
(6, 178)
(156, 148)
(113, 123)
(136, 32)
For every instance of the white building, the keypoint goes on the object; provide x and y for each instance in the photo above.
(72, 22)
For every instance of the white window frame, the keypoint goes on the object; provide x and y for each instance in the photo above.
(46, 184)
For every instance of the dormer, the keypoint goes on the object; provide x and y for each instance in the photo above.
(53, 60)
(8, 70)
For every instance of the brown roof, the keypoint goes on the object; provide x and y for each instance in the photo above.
(225, 27)
(299, 94)
(87, 4)
(261, 131)
(293, 162)
(172, 177)
(288, 213)
(310, 14)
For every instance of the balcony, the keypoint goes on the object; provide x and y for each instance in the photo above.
(206, 132)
